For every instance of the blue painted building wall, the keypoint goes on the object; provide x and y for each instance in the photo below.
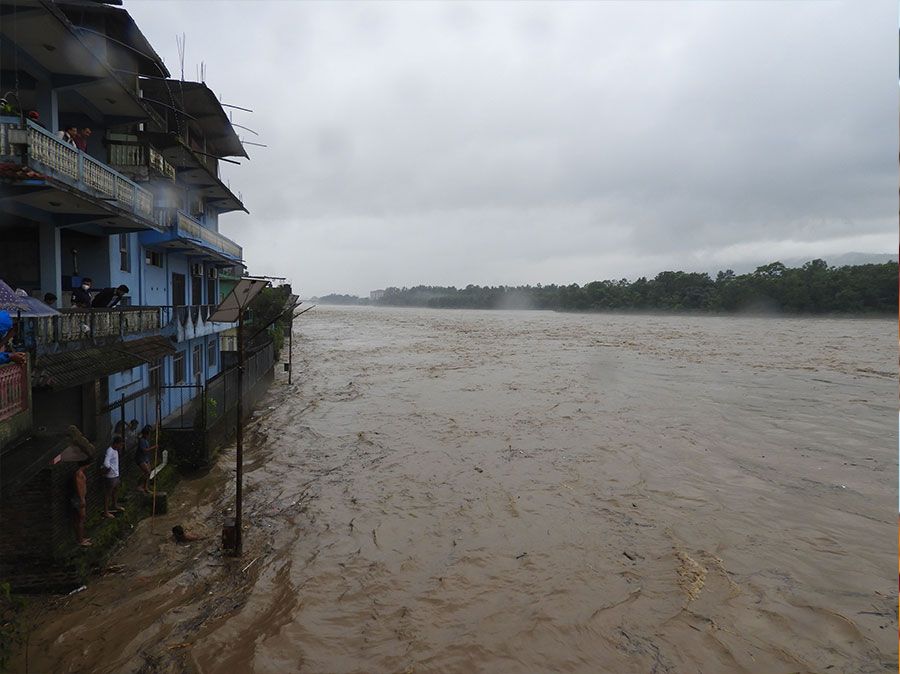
(151, 285)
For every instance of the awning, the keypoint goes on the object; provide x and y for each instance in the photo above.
(73, 368)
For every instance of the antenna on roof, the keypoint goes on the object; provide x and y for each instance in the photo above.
(180, 43)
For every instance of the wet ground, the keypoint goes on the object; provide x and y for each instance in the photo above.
(463, 491)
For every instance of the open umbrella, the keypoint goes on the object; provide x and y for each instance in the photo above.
(17, 303)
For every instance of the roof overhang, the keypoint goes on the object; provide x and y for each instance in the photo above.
(72, 368)
(203, 110)
(49, 43)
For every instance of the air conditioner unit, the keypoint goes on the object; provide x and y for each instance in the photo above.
(196, 270)
(213, 272)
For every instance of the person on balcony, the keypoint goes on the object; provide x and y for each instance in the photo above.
(81, 296)
(7, 332)
(109, 297)
(68, 135)
(50, 299)
(81, 139)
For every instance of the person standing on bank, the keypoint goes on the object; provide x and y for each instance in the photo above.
(142, 457)
(79, 502)
(81, 296)
(110, 470)
(109, 297)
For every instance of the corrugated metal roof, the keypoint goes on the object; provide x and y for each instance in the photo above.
(73, 368)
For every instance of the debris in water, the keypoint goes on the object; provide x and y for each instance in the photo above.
(480, 470)
(521, 555)
(629, 555)
(77, 590)
(244, 570)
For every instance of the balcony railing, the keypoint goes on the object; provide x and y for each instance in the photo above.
(137, 154)
(191, 228)
(13, 390)
(75, 325)
(74, 166)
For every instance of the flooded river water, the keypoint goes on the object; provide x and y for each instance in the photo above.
(464, 491)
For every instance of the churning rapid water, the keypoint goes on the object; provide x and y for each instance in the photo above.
(465, 491)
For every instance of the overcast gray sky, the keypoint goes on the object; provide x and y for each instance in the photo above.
(527, 142)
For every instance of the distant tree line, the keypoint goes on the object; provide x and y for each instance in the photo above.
(342, 299)
(814, 288)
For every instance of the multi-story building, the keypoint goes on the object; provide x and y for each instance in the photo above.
(138, 206)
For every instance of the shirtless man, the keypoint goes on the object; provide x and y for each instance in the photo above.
(79, 502)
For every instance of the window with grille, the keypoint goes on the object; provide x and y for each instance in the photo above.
(178, 361)
(155, 372)
(197, 361)
(124, 252)
(212, 351)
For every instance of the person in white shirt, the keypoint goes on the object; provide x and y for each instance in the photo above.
(110, 470)
(68, 135)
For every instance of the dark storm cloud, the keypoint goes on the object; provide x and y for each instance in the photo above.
(525, 142)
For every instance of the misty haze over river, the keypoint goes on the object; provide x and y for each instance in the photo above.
(522, 491)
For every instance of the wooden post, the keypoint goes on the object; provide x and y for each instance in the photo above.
(291, 347)
(239, 439)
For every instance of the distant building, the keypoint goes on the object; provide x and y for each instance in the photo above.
(376, 295)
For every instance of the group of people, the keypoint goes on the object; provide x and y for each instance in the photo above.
(77, 138)
(127, 438)
(103, 299)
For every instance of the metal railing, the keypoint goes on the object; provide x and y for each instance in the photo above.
(13, 390)
(73, 165)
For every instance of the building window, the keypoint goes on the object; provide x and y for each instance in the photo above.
(178, 289)
(154, 258)
(197, 362)
(155, 372)
(124, 252)
(196, 290)
(178, 361)
(212, 297)
(212, 352)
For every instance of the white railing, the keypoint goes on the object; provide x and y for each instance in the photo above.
(99, 177)
(52, 152)
(73, 165)
(159, 164)
(135, 154)
(195, 230)
(73, 325)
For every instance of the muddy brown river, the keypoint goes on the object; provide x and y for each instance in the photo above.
(465, 491)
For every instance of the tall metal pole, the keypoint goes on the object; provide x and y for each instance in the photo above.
(291, 347)
(239, 440)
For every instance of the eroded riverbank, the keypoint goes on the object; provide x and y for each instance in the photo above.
(468, 491)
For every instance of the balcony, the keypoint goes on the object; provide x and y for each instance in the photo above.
(193, 321)
(46, 154)
(130, 155)
(188, 234)
(75, 327)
